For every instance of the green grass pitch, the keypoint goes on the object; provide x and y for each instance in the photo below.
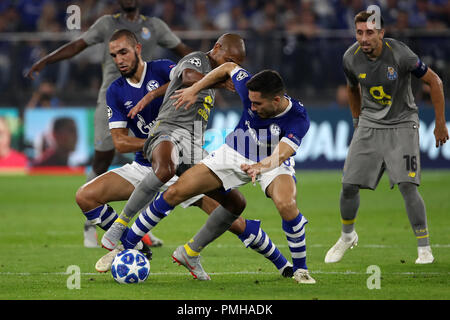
(41, 236)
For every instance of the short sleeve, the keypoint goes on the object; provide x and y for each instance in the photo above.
(240, 77)
(352, 81)
(166, 37)
(116, 117)
(192, 61)
(412, 63)
(163, 68)
(295, 132)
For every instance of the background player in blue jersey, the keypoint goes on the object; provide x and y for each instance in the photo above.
(140, 79)
(260, 149)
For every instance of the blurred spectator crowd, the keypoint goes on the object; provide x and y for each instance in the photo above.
(287, 35)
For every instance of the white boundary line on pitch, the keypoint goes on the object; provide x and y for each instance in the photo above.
(348, 272)
(312, 245)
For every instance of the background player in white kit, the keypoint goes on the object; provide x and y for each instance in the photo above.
(151, 32)
(386, 137)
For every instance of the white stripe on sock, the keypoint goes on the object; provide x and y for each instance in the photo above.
(145, 223)
(152, 216)
(300, 225)
(298, 255)
(297, 244)
(111, 217)
(296, 235)
(264, 245)
(270, 251)
(137, 231)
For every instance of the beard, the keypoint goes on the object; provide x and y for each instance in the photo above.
(128, 8)
(133, 69)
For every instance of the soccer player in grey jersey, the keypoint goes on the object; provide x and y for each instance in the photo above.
(386, 121)
(176, 140)
(151, 32)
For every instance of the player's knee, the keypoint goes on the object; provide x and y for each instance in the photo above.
(349, 190)
(174, 195)
(286, 207)
(81, 197)
(85, 196)
(407, 188)
(235, 202)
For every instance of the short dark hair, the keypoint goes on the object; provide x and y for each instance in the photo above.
(363, 16)
(268, 82)
(131, 37)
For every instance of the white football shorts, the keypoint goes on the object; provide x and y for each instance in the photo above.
(226, 162)
(134, 173)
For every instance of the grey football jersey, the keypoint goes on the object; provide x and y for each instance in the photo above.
(150, 32)
(387, 99)
(195, 119)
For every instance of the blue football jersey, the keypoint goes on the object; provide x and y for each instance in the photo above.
(122, 95)
(255, 137)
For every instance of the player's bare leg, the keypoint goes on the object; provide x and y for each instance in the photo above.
(101, 162)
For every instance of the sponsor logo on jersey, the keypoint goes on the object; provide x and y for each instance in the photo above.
(152, 85)
(195, 61)
(145, 33)
(391, 73)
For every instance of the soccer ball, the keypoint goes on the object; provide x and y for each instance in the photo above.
(130, 266)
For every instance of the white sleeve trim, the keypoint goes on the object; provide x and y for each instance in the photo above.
(291, 143)
(235, 70)
(118, 124)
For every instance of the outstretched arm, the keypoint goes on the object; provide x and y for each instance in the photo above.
(64, 52)
(437, 98)
(188, 96)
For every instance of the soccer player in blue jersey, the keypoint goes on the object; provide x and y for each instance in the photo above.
(260, 149)
(151, 32)
(139, 79)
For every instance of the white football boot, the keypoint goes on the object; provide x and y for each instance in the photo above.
(425, 255)
(90, 235)
(302, 276)
(105, 262)
(337, 251)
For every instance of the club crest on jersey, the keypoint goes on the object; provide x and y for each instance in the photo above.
(152, 85)
(195, 61)
(109, 112)
(275, 129)
(145, 33)
(391, 73)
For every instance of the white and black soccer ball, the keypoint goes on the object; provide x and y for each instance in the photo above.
(130, 266)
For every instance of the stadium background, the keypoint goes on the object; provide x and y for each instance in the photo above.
(304, 40)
